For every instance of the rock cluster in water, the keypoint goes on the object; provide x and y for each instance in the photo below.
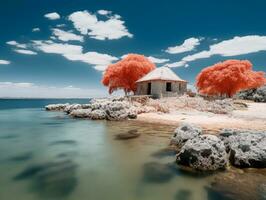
(257, 95)
(241, 148)
(98, 109)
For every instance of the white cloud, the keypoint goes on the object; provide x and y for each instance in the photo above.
(36, 29)
(21, 48)
(4, 62)
(196, 56)
(157, 60)
(176, 64)
(232, 47)
(188, 45)
(151, 58)
(66, 36)
(49, 46)
(16, 44)
(75, 53)
(15, 85)
(89, 24)
(103, 12)
(98, 60)
(27, 90)
(239, 46)
(25, 51)
(52, 16)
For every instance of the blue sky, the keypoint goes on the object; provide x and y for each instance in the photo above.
(59, 48)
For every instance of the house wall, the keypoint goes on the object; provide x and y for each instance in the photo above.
(158, 88)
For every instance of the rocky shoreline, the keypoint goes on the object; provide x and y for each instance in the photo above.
(195, 148)
(205, 152)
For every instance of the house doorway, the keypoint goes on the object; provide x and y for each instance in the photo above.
(149, 89)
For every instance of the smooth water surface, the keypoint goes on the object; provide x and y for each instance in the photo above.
(47, 155)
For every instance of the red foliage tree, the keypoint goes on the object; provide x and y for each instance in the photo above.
(125, 73)
(229, 77)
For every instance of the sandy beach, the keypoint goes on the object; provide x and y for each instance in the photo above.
(254, 117)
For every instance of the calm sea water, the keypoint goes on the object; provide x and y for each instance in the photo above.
(47, 155)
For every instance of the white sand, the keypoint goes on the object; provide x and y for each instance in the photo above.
(252, 118)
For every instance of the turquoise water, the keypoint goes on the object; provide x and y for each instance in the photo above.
(47, 155)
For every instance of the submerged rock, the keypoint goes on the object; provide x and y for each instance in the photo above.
(22, 157)
(64, 142)
(157, 172)
(53, 179)
(205, 152)
(233, 185)
(183, 195)
(246, 148)
(164, 152)
(185, 132)
(129, 135)
(57, 180)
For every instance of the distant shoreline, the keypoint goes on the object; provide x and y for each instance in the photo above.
(25, 98)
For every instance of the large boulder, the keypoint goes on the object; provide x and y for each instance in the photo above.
(246, 148)
(117, 110)
(97, 114)
(81, 113)
(185, 132)
(205, 153)
(56, 107)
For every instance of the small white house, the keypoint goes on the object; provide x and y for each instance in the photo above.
(161, 82)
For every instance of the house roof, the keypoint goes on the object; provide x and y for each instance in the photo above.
(161, 73)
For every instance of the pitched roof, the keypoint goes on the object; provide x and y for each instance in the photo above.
(161, 73)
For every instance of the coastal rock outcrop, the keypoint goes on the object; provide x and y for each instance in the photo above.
(97, 114)
(81, 113)
(185, 132)
(117, 110)
(56, 107)
(71, 107)
(246, 148)
(205, 152)
(109, 108)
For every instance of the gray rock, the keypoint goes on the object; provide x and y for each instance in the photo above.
(257, 95)
(56, 107)
(205, 152)
(72, 107)
(81, 113)
(117, 110)
(97, 114)
(246, 148)
(185, 132)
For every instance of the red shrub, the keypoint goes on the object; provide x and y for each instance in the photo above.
(125, 73)
(228, 77)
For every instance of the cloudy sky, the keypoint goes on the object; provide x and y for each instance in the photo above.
(60, 48)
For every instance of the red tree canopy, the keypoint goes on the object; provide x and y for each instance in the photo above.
(125, 73)
(229, 77)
